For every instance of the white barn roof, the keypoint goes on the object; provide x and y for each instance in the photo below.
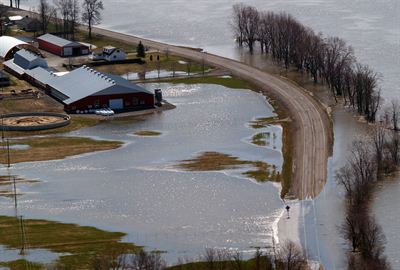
(84, 82)
(60, 42)
(8, 43)
(41, 74)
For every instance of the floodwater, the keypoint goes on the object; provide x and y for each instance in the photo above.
(136, 189)
(370, 26)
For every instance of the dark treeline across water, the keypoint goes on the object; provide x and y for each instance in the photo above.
(326, 59)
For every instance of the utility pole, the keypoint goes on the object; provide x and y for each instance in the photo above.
(2, 127)
(8, 154)
(23, 236)
(15, 193)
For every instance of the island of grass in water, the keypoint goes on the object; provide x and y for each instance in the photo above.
(214, 161)
(147, 133)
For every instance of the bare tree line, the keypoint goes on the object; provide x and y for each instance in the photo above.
(326, 59)
(67, 14)
(288, 257)
(370, 160)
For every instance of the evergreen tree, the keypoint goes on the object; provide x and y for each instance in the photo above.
(140, 52)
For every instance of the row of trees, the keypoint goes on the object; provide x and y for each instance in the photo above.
(326, 59)
(16, 3)
(369, 161)
(288, 257)
(67, 14)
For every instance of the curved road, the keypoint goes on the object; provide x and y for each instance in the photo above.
(311, 123)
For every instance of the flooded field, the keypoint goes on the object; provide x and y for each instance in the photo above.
(371, 27)
(138, 189)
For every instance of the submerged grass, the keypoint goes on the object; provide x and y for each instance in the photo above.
(50, 148)
(78, 245)
(147, 133)
(260, 139)
(214, 161)
(6, 180)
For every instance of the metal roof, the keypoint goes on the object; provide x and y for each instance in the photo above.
(8, 43)
(29, 60)
(11, 65)
(61, 42)
(41, 74)
(84, 81)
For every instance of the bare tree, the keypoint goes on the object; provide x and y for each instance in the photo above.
(372, 239)
(63, 7)
(92, 13)
(46, 12)
(395, 114)
(379, 141)
(73, 16)
(290, 257)
(394, 147)
(246, 24)
(3, 11)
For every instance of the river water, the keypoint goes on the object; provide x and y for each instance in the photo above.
(370, 26)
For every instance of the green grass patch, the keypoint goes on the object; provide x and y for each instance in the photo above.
(231, 82)
(51, 148)
(101, 41)
(168, 63)
(260, 139)
(214, 161)
(21, 265)
(147, 133)
(82, 243)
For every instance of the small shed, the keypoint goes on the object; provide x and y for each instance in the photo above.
(29, 24)
(4, 79)
(61, 46)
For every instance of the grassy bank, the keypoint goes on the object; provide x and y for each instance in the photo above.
(165, 62)
(51, 148)
(78, 245)
(213, 161)
(229, 82)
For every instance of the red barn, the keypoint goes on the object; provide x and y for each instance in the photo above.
(85, 89)
(61, 47)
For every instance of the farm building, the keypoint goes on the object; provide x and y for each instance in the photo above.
(61, 47)
(4, 79)
(29, 24)
(109, 53)
(10, 45)
(24, 60)
(85, 89)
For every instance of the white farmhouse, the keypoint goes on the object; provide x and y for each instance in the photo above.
(109, 53)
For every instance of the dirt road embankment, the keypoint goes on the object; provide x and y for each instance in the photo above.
(312, 127)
